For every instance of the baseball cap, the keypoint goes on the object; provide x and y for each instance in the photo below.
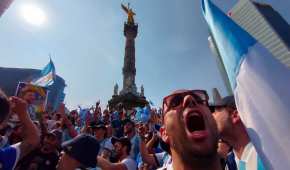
(57, 134)
(123, 140)
(228, 101)
(83, 148)
(97, 125)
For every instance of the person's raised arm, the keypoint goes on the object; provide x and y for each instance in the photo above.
(106, 165)
(152, 141)
(31, 134)
(146, 157)
(43, 126)
(71, 130)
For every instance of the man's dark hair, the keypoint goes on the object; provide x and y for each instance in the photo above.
(4, 106)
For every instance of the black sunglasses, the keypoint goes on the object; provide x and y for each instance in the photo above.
(175, 100)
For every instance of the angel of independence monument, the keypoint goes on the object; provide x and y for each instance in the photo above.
(129, 97)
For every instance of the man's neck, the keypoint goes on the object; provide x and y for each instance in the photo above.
(123, 156)
(239, 140)
(99, 138)
(210, 164)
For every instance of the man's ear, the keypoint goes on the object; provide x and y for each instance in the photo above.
(235, 117)
(164, 135)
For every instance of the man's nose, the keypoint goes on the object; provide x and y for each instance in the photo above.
(189, 101)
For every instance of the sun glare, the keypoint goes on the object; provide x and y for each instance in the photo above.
(33, 15)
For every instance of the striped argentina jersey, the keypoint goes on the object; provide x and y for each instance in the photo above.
(249, 159)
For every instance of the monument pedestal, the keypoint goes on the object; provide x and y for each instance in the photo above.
(128, 101)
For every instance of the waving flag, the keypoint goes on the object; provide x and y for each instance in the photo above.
(46, 77)
(151, 103)
(261, 86)
(142, 114)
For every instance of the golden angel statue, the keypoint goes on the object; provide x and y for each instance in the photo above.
(129, 12)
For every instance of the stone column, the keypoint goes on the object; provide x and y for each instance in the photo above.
(129, 69)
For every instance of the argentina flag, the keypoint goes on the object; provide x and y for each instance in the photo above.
(46, 77)
(261, 86)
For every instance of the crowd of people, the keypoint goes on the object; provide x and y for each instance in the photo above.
(187, 133)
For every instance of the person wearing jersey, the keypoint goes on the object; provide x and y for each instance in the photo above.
(100, 133)
(130, 132)
(10, 155)
(156, 160)
(233, 131)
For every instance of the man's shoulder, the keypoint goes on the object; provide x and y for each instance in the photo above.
(9, 157)
(7, 151)
(129, 163)
(128, 159)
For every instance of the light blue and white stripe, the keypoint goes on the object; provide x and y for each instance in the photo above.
(261, 86)
(46, 77)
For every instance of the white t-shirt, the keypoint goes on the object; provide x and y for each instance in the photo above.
(129, 163)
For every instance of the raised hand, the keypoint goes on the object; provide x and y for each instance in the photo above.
(18, 106)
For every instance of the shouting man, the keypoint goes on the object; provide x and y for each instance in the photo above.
(190, 131)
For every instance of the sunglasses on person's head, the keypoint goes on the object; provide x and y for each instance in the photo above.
(175, 100)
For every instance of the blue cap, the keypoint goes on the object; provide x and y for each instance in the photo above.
(83, 148)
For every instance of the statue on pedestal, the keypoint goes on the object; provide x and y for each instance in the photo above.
(129, 12)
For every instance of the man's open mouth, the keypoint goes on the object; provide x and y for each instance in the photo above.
(195, 122)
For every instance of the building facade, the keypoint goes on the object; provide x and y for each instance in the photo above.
(266, 25)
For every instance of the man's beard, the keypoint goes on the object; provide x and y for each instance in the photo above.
(191, 156)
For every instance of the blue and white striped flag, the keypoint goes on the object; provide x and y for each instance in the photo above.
(151, 103)
(46, 77)
(261, 86)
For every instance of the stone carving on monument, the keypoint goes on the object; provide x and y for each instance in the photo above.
(142, 91)
(128, 96)
(116, 89)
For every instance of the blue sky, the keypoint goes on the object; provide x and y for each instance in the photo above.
(85, 39)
